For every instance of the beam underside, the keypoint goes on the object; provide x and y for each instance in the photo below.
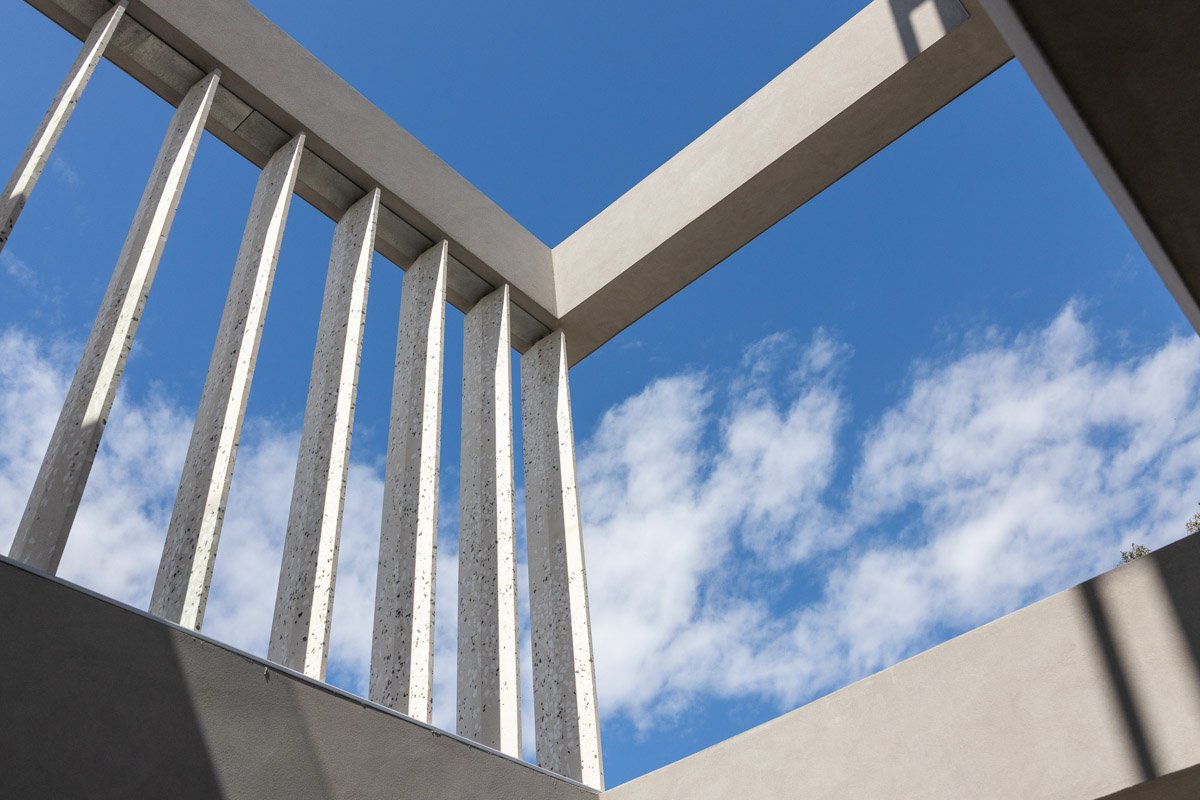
(264, 100)
(1123, 80)
(543, 297)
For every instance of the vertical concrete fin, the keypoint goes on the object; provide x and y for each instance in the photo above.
(42, 533)
(33, 161)
(564, 684)
(304, 602)
(402, 644)
(489, 699)
(184, 573)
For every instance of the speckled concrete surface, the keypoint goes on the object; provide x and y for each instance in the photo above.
(42, 533)
(185, 571)
(402, 644)
(489, 685)
(37, 154)
(564, 683)
(304, 601)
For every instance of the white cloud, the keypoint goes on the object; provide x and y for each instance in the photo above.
(1004, 472)
(18, 270)
(63, 170)
(1007, 471)
(117, 539)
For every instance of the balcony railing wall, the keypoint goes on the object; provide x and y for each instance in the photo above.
(401, 672)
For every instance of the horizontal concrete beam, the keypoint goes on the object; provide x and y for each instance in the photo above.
(894, 64)
(101, 700)
(884, 71)
(1121, 77)
(1092, 693)
(272, 89)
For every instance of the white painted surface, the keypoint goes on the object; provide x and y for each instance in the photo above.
(564, 685)
(33, 161)
(42, 533)
(402, 645)
(304, 602)
(489, 693)
(184, 573)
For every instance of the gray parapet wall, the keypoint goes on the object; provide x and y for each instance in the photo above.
(1092, 693)
(98, 700)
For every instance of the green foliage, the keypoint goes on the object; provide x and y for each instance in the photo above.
(1192, 526)
(1135, 551)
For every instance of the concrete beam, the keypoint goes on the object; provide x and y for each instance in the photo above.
(883, 72)
(100, 700)
(185, 571)
(1092, 693)
(1124, 81)
(402, 644)
(886, 70)
(274, 89)
(46, 524)
(489, 661)
(33, 161)
(304, 601)
(566, 724)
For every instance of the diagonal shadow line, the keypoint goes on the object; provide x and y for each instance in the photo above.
(1176, 568)
(1134, 726)
(902, 11)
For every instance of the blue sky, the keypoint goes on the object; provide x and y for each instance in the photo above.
(948, 386)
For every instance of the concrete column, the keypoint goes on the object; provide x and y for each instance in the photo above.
(30, 167)
(402, 646)
(42, 533)
(304, 602)
(564, 684)
(489, 694)
(181, 588)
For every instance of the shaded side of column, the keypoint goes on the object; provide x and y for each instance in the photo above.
(564, 684)
(185, 571)
(489, 694)
(402, 645)
(304, 601)
(33, 161)
(42, 533)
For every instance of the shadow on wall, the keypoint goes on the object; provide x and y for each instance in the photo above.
(1129, 680)
(98, 700)
(912, 15)
(1135, 727)
(96, 707)
(64, 708)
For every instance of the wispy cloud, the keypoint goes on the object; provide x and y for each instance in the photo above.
(63, 170)
(1005, 471)
(47, 294)
(18, 270)
(118, 535)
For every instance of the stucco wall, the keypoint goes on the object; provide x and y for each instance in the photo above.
(98, 700)
(1081, 696)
